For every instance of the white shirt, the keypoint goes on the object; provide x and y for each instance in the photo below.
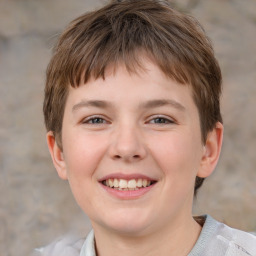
(216, 239)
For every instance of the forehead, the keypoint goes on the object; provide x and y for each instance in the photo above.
(121, 86)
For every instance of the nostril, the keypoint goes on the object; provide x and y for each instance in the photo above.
(127, 157)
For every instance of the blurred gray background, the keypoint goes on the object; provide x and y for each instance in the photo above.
(35, 205)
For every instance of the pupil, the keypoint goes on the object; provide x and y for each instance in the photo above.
(97, 120)
(160, 120)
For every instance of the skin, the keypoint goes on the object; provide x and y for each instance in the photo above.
(131, 133)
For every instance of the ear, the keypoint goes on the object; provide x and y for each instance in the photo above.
(57, 156)
(211, 151)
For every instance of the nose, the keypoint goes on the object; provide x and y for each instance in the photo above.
(127, 144)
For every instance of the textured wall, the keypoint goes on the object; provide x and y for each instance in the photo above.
(35, 206)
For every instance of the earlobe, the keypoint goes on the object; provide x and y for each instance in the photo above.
(211, 152)
(57, 156)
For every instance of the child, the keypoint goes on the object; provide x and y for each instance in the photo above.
(133, 118)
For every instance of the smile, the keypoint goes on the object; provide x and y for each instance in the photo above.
(125, 185)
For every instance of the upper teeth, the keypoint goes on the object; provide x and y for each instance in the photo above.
(127, 184)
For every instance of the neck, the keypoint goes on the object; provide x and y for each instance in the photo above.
(176, 238)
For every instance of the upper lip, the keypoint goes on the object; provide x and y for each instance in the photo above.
(126, 176)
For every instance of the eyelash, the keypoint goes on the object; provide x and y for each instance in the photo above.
(166, 120)
(91, 120)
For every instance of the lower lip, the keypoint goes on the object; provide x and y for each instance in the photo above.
(128, 194)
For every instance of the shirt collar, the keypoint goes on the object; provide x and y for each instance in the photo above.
(88, 248)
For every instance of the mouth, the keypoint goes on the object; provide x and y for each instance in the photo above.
(127, 185)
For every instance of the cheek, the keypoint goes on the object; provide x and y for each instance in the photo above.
(82, 156)
(178, 154)
(83, 153)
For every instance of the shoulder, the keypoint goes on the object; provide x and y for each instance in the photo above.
(219, 239)
(64, 246)
(239, 241)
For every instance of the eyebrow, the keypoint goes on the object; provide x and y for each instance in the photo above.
(145, 105)
(91, 103)
(163, 102)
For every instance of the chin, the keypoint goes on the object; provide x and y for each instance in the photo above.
(130, 230)
(128, 223)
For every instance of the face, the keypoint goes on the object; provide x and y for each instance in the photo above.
(131, 150)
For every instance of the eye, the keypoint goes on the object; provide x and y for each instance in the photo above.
(94, 120)
(161, 120)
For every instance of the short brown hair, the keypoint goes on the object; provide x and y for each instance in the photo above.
(120, 32)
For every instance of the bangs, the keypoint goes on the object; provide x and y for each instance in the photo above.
(88, 49)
